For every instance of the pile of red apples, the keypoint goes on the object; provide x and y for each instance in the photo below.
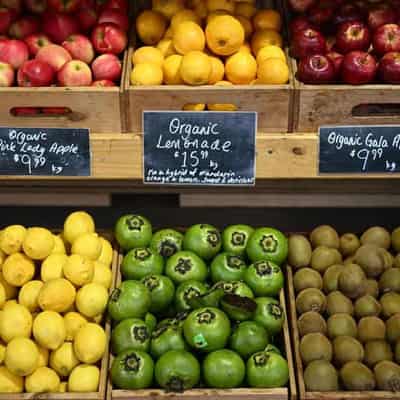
(62, 42)
(353, 42)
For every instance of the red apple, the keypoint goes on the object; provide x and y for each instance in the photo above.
(358, 67)
(330, 42)
(321, 13)
(85, 4)
(337, 60)
(64, 6)
(121, 5)
(36, 6)
(386, 39)
(80, 48)
(379, 16)
(351, 36)
(35, 73)
(299, 23)
(389, 68)
(25, 111)
(75, 73)
(103, 83)
(346, 13)
(114, 16)
(316, 69)
(5, 20)
(24, 27)
(308, 42)
(107, 66)
(87, 18)
(15, 5)
(301, 6)
(6, 75)
(108, 38)
(59, 26)
(35, 42)
(14, 52)
(54, 55)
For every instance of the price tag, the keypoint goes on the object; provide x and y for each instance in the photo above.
(199, 148)
(359, 149)
(44, 152)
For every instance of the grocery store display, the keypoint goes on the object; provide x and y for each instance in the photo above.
(197, 309)
(53, 293)
(348, 308)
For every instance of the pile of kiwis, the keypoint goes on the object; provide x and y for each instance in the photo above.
(348, 308)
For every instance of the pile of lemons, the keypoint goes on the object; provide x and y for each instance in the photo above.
(209, 42)
(53, 292)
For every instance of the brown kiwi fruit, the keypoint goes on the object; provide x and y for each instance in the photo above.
(306, 278)
(377, 351)
(310, 300)
(396, 261)
(331, 277)
(337, 302)
(396, 239)
(367, 306)
(347, 348)
(352, 281)
(315, 346)
(387, 375)
(371, 328)
(372, 288)
(323, 257)
(373, 260)
(356, 376)
(390, 280)
(378, 236)
(349, 243)
(341, 325)
(311, 322)
(350, 260)
(321, 376)
(397, 352)
(393, 328)
(390, 303)
(325, 235)
(300, 251)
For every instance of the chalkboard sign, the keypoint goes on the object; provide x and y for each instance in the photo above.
(359, 149)
(44, 152)
(199, 148)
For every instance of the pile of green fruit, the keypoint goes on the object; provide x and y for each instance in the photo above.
(192, 312)
(348, 303)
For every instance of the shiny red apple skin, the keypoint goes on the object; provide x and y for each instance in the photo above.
(389, 68)
(114, 16)
(298, 24)
(346, 13)
(35, 42)
(379, 16)
(75, 73)
(87, 18)
(24, 27)
(59, 26)
(108, 67)
(337, 60)
(64, 6)
(320, 14)
(109, 38)
(15, 5)
(35, 73)
(14, 52)
(5, 20)
(121, 5)
(316, 69)
(54, 55)
(308, 42)
(351, 36)
(36, 6)
(80, 48)
(386, 39)
(358, 67)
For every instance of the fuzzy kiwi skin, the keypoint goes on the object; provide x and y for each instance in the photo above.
(337, 302)
(331, 277)
(356, 376)
(306, 278)
(311, 322)
(393, 328)
(310, 300)
(390, 303)
(371, 328)
(325, 235)
(349, 243)
(367, 306)
(352, 281)
(377, 351)
(321, 376)
(378, 236)
(341, 324)
(390, 280)
(395, 237)
(387, 374)
(347, 348)
(315, 346)
(323, 257)
(300, 251)
(373, 260)
(372, 288)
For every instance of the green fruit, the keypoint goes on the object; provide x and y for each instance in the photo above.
(204, 240)
(132, 370)
(186, 291)
(141, 262)
(271, 348)
(131, 300)
(165, 339)
(223, 369)
(235, 238)
(269, 314)
(299, 253)
(177, 370)
(207, 329)
(321, 376)
(236, 287)
(238, 308)
(167, 242)
(132, 231)
(162, 292)
(267, 244)
(151, 322)
(227, 267)
(184, 266)
(267, 370)
(131, 333)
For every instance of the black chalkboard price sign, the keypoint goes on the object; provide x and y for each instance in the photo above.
(44, 152)
(359, 149)
(199, 148)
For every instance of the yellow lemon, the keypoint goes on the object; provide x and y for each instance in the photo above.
(28, 295)
(11, 239)
(107, 253)
(227, 5)
(53, 266)
(166, 47)
(224, 35)
(241, 68)
(273, 71)
(188, 36)
(199, 7)
(2, 353)
(56, 295)
(148, 54)
(168, 8)
(15, 321)
(171, 68)
(21, 356)
(49, 330)
(216, 13)
(11, 291)
(9, 302)
(78, 269)
(183, 16)
(150, 26)
(63, 360)
(217, 70)
(169, 33)
(102, 275)
(246, 24)
(90, 343)
(43, 380)
(73, 322)
(43, 357)
(265, 37)
(2, 257)
(9, 382)
(245, 47)
(97, 319)
(63, 388)
(194, 107)
(246, 10)
(84, 378)
(87, 245)
(77, 224)
(18, 269)
(195, 68)
(59, 245)
(267, 19)
(270, 52)
(147, 74)
(3, 295)
(38, 243)
(91, 299)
